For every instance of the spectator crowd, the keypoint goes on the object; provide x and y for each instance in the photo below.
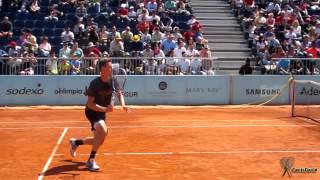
(283, 34)
(70, 36)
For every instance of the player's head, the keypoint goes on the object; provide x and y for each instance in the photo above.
(105, 66)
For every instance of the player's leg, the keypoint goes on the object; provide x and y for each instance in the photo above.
(100, 133)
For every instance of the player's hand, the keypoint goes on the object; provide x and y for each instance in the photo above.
(109, 108)
(126, 108)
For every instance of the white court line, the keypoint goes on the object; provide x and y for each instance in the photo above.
(46, 166)
(200, 152)
(133, 121)
(196, 126)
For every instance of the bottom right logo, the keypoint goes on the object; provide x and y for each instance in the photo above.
(287, 164)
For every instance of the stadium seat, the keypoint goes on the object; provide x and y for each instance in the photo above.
(58, 31)
(18, 24)
(22, 16)
(39, 24)
(37, 32)
(48, 24)
(48, 32)
(29, 24)
(59, 24)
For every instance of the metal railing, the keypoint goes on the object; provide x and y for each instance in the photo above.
(88, 65)
(293, 66)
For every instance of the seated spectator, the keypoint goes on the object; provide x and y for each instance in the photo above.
(179, 49)
(14, 50)
(169, 44)
(136, 44)
(53, 14)
(166, 21)
(176, 33)
(31, 41)
(182, 8)
(67, 35)
(195, 64)
(123, 13)
(52, 64)
(75, 66)
(313, 50)
(113, 33)
(94, 53)
(76, 52)
(152, 5)
(246, 68)
(161, 8)
(65, 50)
(34, 7)
(132, 14)
(170, 6)
(157, 35)
(192, 20)
(116, 47)
(206, 61)
(81, 11)
(6, 28)
(146, 37)
(93, 35)
(79, 29)
(191, 51)
(283, 66)
(183, 64)
(158, 53)
(64, 66)
(171, 63)
(45, 47)
(126, 36)
(143, 25)
(27, 64)
(103, 35)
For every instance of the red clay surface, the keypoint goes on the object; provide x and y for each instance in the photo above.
(161, 143)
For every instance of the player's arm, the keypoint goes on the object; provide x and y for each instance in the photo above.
(93, 106)
(122, 101)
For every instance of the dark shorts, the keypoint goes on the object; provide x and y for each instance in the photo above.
(94, 116)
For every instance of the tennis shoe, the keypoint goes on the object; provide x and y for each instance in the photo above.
(73, 147)
(92, 165)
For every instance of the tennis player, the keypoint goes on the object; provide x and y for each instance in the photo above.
(98, 105)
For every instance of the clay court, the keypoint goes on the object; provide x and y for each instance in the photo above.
(159, 143)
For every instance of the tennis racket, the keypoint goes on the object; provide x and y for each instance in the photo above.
(119, 78)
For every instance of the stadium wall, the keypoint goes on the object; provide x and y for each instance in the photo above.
(150, 90)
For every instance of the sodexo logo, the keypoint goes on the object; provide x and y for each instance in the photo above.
(26, 91)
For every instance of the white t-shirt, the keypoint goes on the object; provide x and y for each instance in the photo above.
(195, 65)
(184, 65)
(178, 51)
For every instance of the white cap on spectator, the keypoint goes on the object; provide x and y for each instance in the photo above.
(90, 44)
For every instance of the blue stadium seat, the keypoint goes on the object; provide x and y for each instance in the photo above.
(37, 32)
(22, 16)
(48, 24)
(29, 24)
(17, 31)
(68, 23)
(48, 32)
(58, 31)
(39, 24)
(59, 24)
(18, 23)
